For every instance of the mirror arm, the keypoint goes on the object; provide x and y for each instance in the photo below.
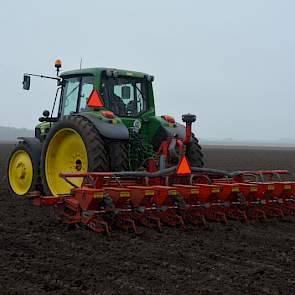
(42, 76)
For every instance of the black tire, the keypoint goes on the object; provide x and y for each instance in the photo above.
(119, 156)
(35, 159)
(95, 146)
(194, 153)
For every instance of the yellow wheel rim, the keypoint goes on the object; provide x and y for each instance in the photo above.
(20, 172)
(66, 152)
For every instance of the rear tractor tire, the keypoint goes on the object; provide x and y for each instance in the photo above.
(23, 170)
(119, 156)
(73, 145)
(194, 153)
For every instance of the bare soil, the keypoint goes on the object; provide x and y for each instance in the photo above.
(39, 255)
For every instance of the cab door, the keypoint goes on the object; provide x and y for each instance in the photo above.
(75, 94)
(69, 96)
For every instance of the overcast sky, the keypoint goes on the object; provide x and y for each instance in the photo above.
(229, 62)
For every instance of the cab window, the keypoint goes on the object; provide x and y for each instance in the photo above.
(70, 95)
(75, 94)
(125, 96)
(86, 89)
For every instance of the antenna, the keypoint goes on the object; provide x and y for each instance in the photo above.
(81, 63)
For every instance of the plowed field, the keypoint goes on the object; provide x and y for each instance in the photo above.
(39, 255)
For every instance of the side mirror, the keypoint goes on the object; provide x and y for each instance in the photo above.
(126, 92)
(26, 82)
(46, 113)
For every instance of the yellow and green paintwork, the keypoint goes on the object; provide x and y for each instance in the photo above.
(150, 123)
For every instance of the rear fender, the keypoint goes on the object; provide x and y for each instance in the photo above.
(178, 132)
(108, 130)
(166, 130)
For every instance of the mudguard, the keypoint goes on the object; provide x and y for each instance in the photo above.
(108, 130)
(179, 131)
(164, 132)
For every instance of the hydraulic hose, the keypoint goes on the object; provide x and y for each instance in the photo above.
(159, 173)
(171, 170)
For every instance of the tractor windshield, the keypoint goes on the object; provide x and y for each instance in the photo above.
(125, 96)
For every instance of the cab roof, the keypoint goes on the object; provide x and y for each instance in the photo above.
(98, 71)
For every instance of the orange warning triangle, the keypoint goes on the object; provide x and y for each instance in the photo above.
(94, 100)
(183, 166)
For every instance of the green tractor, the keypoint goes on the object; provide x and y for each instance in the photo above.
(105, 121)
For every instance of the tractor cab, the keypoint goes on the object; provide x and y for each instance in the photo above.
(126, 94)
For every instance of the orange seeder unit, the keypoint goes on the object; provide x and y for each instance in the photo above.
(176, 196)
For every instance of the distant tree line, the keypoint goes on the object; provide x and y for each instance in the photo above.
(11, 133)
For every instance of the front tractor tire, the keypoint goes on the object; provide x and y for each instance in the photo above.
(73, 145)
(23, 170)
